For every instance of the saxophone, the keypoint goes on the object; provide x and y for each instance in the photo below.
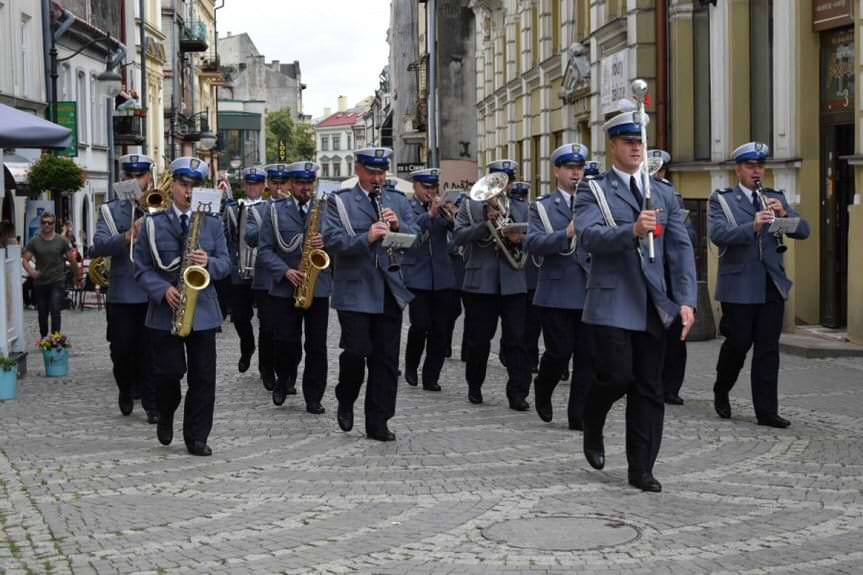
(314, 260)
(99, 272)
(193, 280)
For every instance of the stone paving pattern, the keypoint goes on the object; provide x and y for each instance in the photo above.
(85, 490)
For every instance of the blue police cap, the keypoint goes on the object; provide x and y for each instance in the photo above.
(591, 168)
(430, 176)
(374, 158)
(520, 189)
(302, 171)
(190, 169)
(570, 154)
(508, 167)
(626, 125)
(277, 172)
(133, 164)
(751, 152)
(255, 175)
(661, 154)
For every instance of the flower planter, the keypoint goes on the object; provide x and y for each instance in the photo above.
(8, 383)
(56, 362)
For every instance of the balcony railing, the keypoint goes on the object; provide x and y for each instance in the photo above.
(209, 62)
(128, 127)
(194, 36)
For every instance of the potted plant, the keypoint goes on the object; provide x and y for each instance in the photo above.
(55, 354)
(8, 377)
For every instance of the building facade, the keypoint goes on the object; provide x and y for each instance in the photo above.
(336, 142)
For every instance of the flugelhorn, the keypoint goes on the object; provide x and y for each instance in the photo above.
(491, 190)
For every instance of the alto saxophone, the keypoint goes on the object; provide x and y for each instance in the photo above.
(193, 280)
(314, 260)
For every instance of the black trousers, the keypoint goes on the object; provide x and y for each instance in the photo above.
(565, 336)
(481, 316)
(266, 343)
(371, 341)
(533, 325)
(49, 300)
(174, 356)
(457, 303)
(131, 353)
(430, 322)
(242, 301)
(223, 292)
(629, 363)
(288, 324)
(743, 326)
(674, 369)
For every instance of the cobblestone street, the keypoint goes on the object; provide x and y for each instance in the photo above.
(465, 489)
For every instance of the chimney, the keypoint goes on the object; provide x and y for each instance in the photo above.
(275, 64)
(229, 33)
(328, 112)
(343, 103)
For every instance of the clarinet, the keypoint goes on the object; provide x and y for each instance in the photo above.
(780, 241)
(392, 254)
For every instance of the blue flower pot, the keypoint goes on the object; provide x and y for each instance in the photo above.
(56, 362)
(8, 383)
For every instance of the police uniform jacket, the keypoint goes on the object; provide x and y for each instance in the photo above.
(621, 275)
(744, 266)
(486, 272)
(531, 268)
(279, 253)
(426, 265)
(170, 244)
(563, 275)
(232, 230)
(263, 280)
(359, 269)
(124, 288)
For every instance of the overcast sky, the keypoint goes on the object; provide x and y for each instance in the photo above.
(341, 44)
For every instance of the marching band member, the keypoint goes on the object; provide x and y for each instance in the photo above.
(262, 281)
(751, 285)
(282, 245)
(119, 224)
(626, 304)
(674, 367)
(561, 287)
(456, 258)
(493, 289)
(242, 257)
(429, 275)
(532, 321)
(368, 291)
(159, 255)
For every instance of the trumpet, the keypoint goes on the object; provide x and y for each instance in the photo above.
(157, 200)
(392, 254)
(447, 210)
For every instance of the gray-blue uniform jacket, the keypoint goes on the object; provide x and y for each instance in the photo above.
(232, 230)
(360, 270)
(563, 276)
(283, 250)
(117, 214)
(533, 264)
(743, 265)
(486, 272)
(621, 274)
(163, 233)
(263, 280)
(426, 265)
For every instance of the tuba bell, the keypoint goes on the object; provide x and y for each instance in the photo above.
(491, 190)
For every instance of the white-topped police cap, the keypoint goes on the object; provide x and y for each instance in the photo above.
(591, 168)
(277, 172)
(304, 170)
(570, 154)
(751, 152)
(430, 176)
(626, 125)
(661, 154)
(508, 167)
(190, 169)
(136, 163)
(255, 175)
(375, 159)
(520, 188)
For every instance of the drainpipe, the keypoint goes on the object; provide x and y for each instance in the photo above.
(174, 79)
(49, 55)
(662, 74)
(431, 18)
(143, 33)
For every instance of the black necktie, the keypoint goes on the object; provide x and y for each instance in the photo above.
(572, 203)
(184, 223)
(636, 193)
(755, 202)
(373, 199)
(303, 212)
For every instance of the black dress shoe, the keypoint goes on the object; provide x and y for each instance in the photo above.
(345, 417)
(576, 424)
(280, 393)
(721, 404)
(381, 434)
(291, 389)
(431, 387)
(518, 404)
(199, 448)
(448, 353)
(152, 417)
(645, 481)
(411, 377)
(269, 382)
(565, 375)
(673, 399)
(594, 449)
(474, 395)
(543, 407)
(126, 403)
(534, 368)
(244, 363)
(165, 429)
(315, 408)
(774, 421)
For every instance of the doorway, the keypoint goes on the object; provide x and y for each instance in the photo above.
(837, 194)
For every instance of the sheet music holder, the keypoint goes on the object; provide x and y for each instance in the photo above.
(398, 240)
(784, 225)
(128, 190)
(206, 200)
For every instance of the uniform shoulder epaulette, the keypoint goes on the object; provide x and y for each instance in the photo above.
(399, 192)
(277, 200)
(725, 190)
